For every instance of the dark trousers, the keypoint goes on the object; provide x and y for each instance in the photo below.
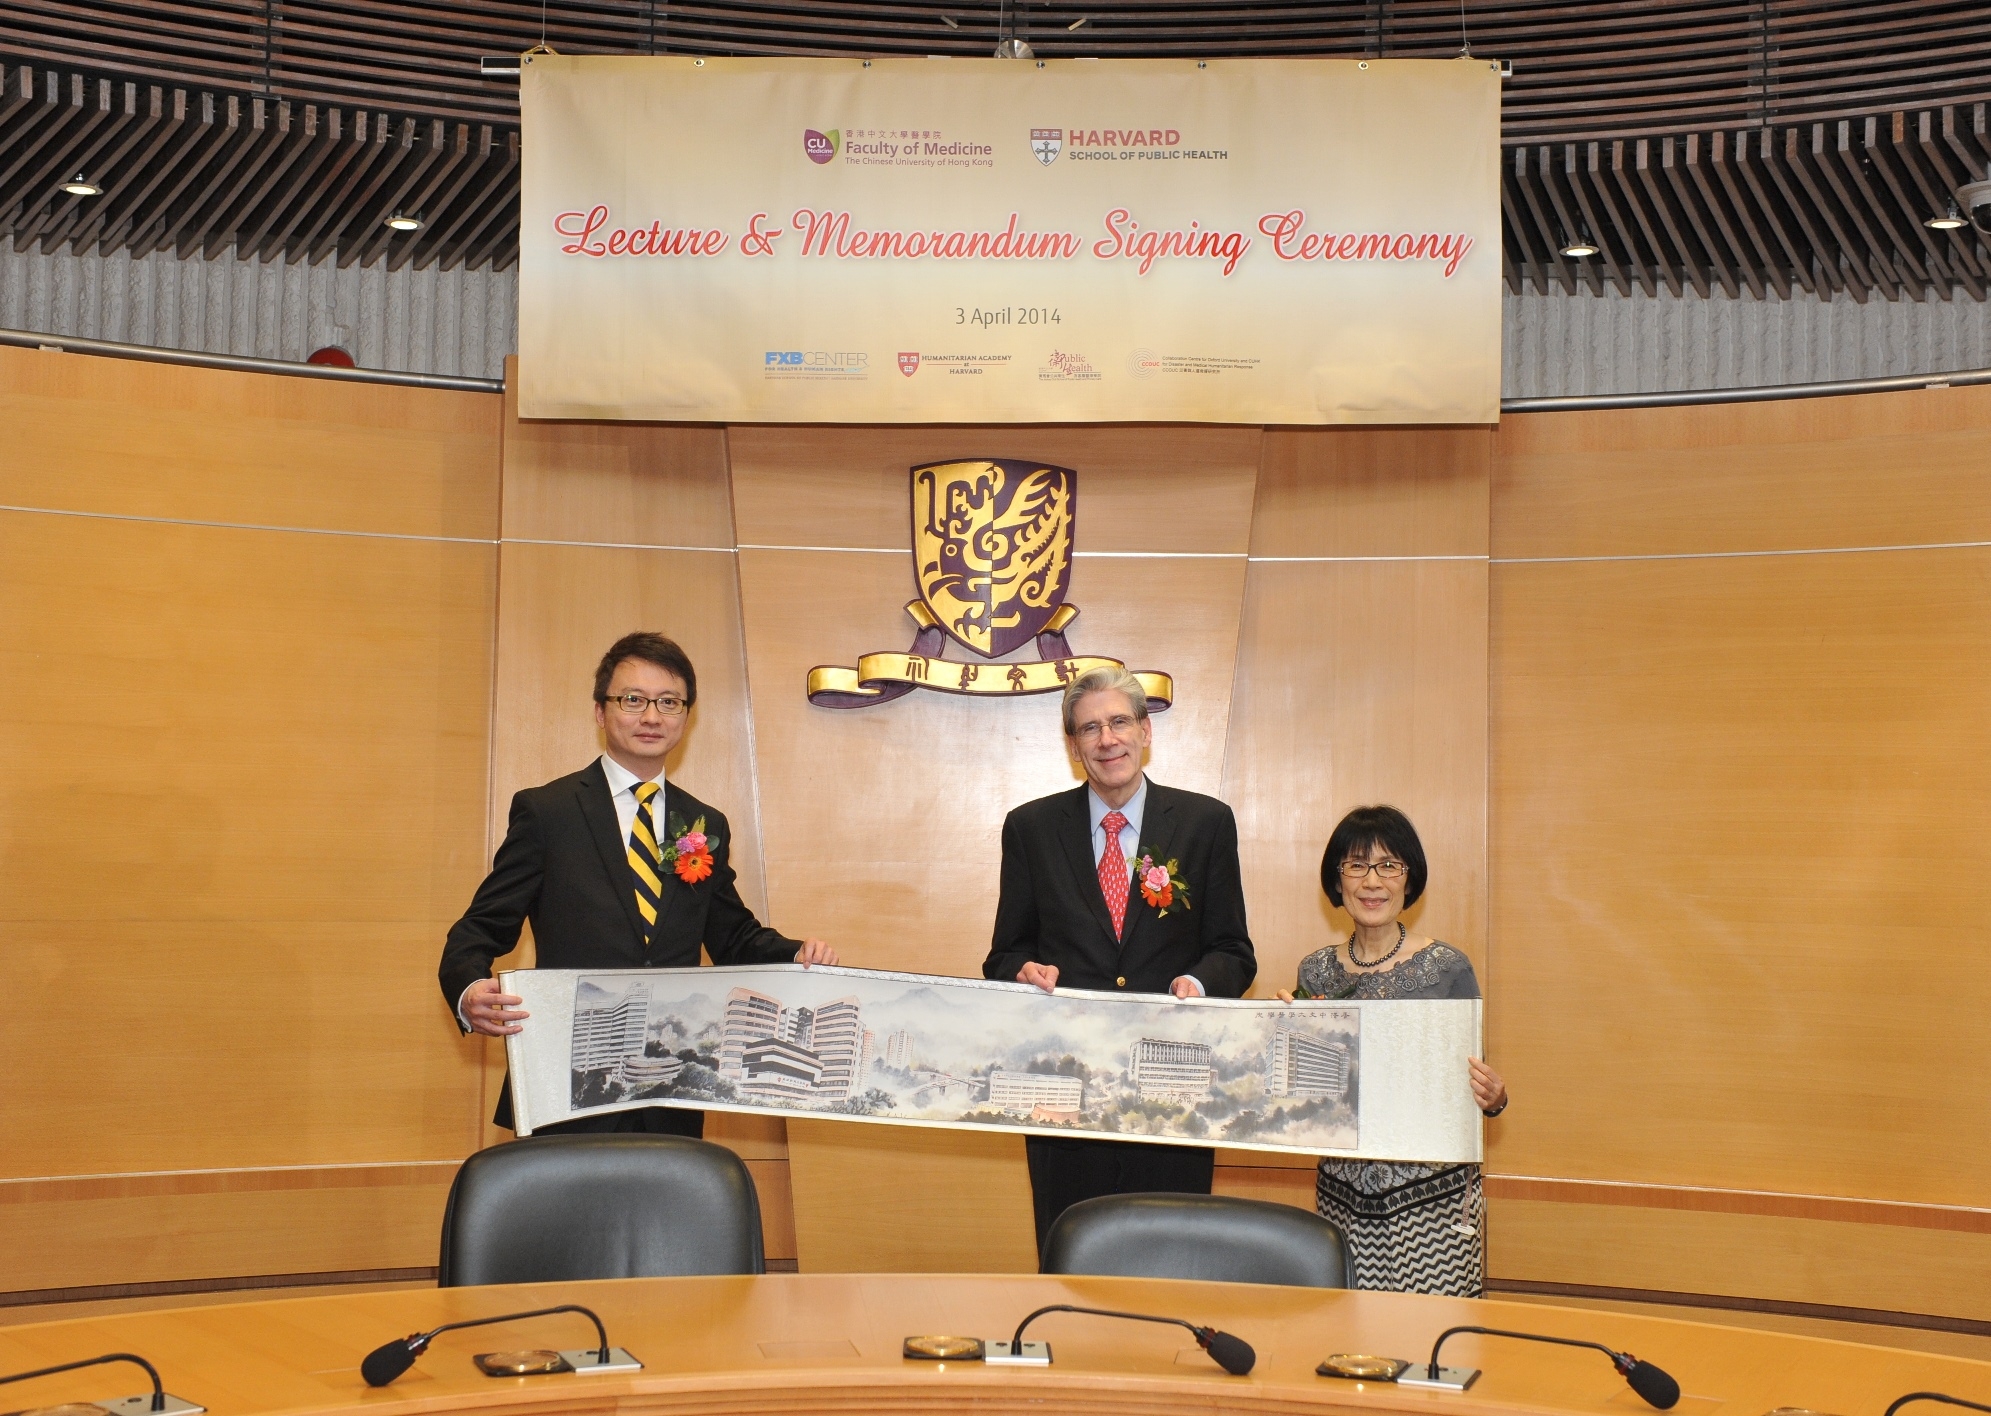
(646, 1120)
(1063, 1172)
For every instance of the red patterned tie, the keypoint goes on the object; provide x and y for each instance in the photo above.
(1113, 871)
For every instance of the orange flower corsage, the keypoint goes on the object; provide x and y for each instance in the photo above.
(1162, 885)
(690, 851)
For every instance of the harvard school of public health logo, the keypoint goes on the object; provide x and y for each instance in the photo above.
(992, 559)
(1047, 143)
(821, 147)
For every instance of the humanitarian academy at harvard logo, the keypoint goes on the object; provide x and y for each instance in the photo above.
(992, 560)
(1047, 143)
(908, 363)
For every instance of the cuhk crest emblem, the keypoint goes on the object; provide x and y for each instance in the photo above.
(992, 548)
(1047, 143)
(909, 363)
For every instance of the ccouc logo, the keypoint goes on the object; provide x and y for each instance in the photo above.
(821, 147)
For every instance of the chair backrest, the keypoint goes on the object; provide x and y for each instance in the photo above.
(603, 1206)
(1213, 1237)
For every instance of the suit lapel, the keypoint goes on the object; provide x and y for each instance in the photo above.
(1157, 839)
(1076, 833)
(598, 810)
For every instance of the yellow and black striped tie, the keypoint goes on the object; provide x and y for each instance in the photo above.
(646, 859)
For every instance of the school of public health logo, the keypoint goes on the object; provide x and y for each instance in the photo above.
(909, 364)
(992, 560)
(1047, 143)
(822, 147)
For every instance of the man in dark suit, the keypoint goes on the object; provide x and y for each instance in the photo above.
(1072, 913)
(607, 865)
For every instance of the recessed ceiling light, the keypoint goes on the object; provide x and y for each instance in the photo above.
(402, 222)
(81, 186)
(1950, 220)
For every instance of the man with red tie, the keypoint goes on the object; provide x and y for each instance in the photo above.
(1076, 911)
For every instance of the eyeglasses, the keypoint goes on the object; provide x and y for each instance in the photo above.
(670, 705)
(1121, 723)
(1385, 869)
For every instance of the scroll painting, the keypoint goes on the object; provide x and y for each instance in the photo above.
(1382, 1080)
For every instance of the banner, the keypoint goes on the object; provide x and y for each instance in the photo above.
(1372, 1080)
(958, 240)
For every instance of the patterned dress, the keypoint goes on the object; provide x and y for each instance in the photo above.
(1406, 1225)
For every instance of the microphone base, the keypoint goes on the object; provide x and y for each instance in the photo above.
(588, 1359)
(141, 1405)
(1031, 1354)
(1449, 1378)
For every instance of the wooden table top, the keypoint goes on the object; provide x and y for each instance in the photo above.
(802, 1343)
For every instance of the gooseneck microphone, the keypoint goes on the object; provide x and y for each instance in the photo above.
(1934, 1396)
(158, 1387)
(391, 1359)
(1650, 1382)
(1231, 1353)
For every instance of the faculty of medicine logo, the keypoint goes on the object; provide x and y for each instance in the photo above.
(992, 559)
(1047, 143)
(822, 147)
(908, 364)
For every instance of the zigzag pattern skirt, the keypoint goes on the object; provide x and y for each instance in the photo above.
(1409, 1228)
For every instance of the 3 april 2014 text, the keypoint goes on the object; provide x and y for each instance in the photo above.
(1006, 315)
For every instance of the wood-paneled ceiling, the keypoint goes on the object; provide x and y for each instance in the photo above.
(1760, 147)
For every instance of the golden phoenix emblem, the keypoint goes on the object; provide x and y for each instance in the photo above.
(992, 548)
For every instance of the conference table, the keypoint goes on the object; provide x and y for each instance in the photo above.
(800, 1343)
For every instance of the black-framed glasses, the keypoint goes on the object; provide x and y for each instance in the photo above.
(1385, 869)
(669, 704)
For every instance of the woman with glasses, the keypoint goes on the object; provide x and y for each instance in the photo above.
(1412, 1228)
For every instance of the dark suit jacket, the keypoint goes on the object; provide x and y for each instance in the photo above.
(1052, 911)
(565, 867)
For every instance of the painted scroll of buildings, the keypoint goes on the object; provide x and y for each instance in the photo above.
(783, 1055)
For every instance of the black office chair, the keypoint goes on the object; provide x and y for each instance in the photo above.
(1212, 1237)
(607, 1206)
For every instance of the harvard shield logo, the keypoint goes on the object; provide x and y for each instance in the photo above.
(992, 548)
(1047, 143)
(908, 364)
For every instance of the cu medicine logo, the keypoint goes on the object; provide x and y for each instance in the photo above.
(822, 147)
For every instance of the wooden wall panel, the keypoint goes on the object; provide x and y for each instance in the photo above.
(120, 437)
(242, 788)
(1892, 469)
(1740, 854)
(883, 824)
(1362, 676)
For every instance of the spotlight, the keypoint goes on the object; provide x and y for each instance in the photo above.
(400, 221)
(1581, 247)
(1950, 220)
(1975, 198)
(1015, 49)
(81, 186)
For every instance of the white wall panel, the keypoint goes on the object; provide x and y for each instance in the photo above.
(420, 321)
(1559, 344)
(466, 322)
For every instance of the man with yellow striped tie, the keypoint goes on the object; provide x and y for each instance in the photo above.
(616, 868)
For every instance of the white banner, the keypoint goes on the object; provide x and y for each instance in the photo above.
(842, 240)
(1372, 1080)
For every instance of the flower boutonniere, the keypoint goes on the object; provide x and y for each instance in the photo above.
(690, 850)
(1162, 885)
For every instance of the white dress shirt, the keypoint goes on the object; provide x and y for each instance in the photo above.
(1130, 839)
